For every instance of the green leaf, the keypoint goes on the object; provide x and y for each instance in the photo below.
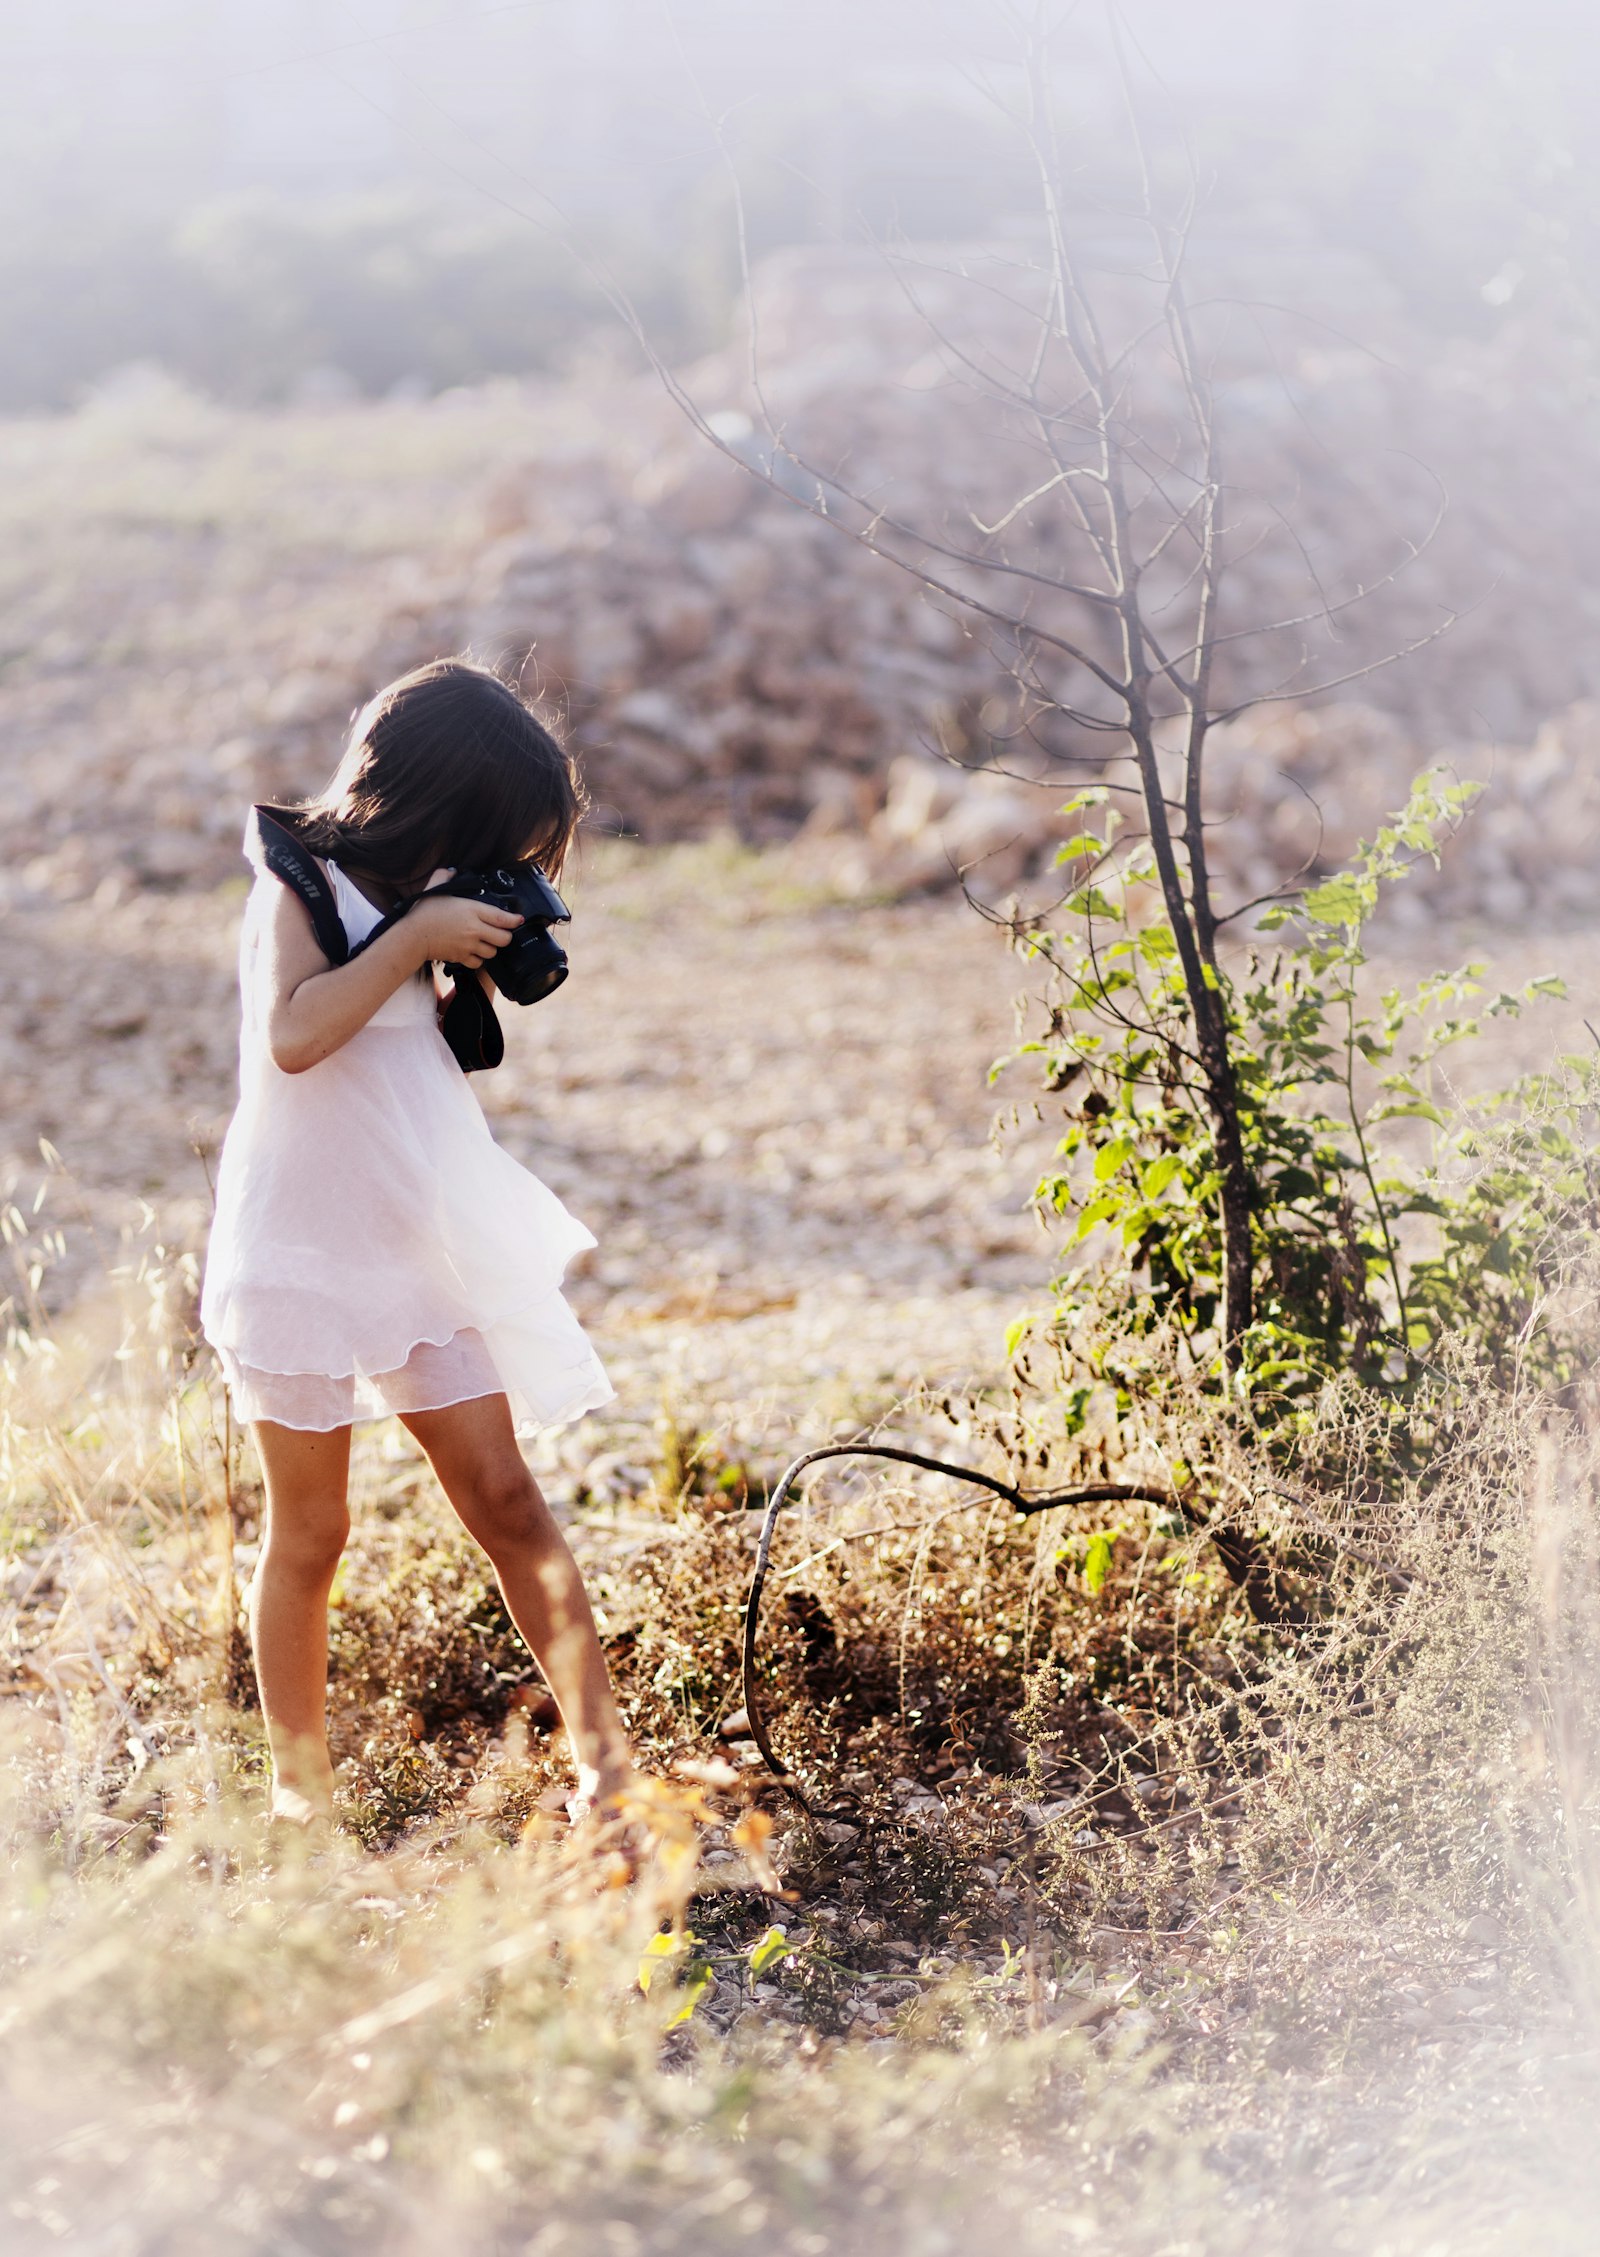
(661, 1950)
(697, 1980)
(1277, 1369)
(1076, 1410)
(773, 1946)
(1016, 1332)
(1417, 1110)
(1091, 901)
(1111, 1156)
(1097, 1562)
(1341, 901)
(1097, 1212)
(1160, 1173)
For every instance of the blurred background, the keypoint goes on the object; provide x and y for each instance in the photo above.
(271, 196)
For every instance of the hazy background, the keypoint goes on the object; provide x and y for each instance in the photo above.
(258, 192)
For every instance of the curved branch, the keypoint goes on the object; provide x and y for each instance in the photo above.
(1105, 1492)
(1339, 681)
(1253, 1575)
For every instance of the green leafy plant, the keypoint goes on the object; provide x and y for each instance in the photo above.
(1385, 1214)
(769, 1950)
(677, 1952)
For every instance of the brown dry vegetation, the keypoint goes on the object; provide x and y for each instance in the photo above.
(1182, 1934)
(1126, 1924)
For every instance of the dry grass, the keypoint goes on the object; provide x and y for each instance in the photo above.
(1129, 1926)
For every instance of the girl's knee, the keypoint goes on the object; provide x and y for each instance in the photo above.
(508, 1512)
(306, 1548)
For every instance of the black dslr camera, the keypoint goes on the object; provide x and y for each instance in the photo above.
(533, 963)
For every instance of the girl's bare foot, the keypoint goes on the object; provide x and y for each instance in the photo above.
(292, 1807)
(606, 1795)
(605, 1816)
(302, 1783)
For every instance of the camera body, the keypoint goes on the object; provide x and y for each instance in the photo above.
(532, 964)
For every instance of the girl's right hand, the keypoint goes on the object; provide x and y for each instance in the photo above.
(447, 929)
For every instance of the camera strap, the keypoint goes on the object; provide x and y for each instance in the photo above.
(469, 1025)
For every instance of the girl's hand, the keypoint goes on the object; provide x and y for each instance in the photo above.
(315, 1007)
(446, 929)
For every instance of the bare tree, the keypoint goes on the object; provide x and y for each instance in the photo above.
(1093, 531)
(1101, 575)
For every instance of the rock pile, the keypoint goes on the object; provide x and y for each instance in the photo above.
(728, 658)
(1300, 787)
(724, 657)
(1292, 792)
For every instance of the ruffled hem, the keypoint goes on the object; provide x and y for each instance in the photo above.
(256, 1341)
(431, 1377)
(436, 1373)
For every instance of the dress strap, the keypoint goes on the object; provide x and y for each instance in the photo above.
(360, 917)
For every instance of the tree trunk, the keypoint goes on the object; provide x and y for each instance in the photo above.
(1211, 1036)
(1222, 1100)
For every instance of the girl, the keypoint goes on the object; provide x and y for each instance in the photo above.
(374, 1250)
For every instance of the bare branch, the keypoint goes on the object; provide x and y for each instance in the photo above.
(1305, 691)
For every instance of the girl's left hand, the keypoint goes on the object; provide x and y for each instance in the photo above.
(449, 929)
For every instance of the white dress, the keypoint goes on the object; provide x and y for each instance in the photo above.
(374, 1250)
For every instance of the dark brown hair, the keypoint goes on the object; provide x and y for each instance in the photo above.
(446, 766)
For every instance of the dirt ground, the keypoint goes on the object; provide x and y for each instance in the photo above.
(772, 1109)
(769, 1102)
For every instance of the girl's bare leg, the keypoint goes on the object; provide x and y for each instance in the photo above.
(307, 1524)
(473, 1449)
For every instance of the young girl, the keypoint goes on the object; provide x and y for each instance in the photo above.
(374, 1250)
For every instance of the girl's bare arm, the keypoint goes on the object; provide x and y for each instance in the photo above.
(316, 1006)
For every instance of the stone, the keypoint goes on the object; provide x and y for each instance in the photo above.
(654, 712)
(701, 493)
(606, 652)
(680, 623)
(647, 760)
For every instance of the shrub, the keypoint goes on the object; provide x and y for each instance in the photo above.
(1368, 1257)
